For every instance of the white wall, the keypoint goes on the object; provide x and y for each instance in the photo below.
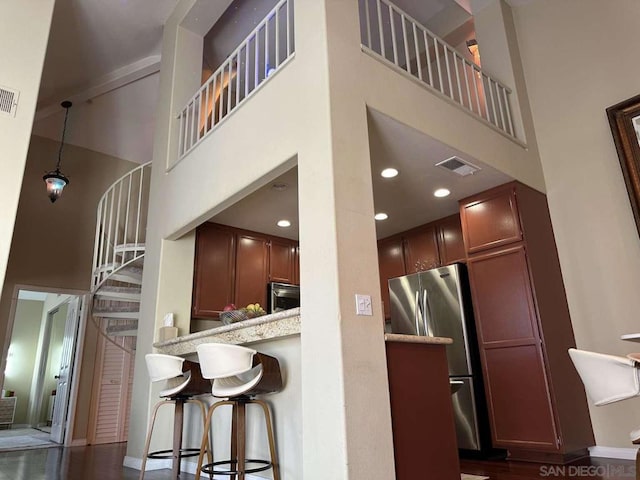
(24, 31)
(580, 57)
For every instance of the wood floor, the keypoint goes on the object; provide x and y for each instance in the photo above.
(104, 462)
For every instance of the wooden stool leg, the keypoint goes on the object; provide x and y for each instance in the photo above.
(148, 441)
(234, 439)
(178, 420)
(272, 443)
(638, 464)
(209, 450)
(205, 439)
(241, 434)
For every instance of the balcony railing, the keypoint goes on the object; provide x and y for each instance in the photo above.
(260, 54)
(121, 224)
(390, 34)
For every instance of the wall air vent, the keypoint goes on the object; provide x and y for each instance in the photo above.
(458, 166)
(8, 101)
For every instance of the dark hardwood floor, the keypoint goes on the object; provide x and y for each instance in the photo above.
(592, 469)
(99, 462)
(104, 462)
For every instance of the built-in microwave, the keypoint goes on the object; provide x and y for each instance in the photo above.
(282, 296)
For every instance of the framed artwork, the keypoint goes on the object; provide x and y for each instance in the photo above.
(624, 119)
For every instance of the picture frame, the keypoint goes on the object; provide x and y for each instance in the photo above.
(624, 119)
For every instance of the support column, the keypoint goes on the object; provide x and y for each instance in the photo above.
(346, 414)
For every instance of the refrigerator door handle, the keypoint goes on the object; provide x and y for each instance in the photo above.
(417, 312)
(426, 316)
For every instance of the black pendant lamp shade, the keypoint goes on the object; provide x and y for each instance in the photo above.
(55, 180)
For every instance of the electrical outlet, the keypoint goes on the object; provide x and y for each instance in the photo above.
(363, 305)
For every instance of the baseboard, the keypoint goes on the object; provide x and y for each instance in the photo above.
(613, 452)
(188, 467)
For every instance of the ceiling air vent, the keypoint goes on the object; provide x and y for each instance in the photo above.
(458, 166)
(8, 101)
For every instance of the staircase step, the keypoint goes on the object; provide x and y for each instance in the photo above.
(128, 330)
(124, 294)
(122, 315)
(124, 248)
(128, 274)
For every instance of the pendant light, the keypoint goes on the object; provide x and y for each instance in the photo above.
(55, 180)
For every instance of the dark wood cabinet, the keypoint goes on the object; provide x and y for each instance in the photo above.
(391, 265)
(421, 249)
(296, 265)
(234, 266)
(213, 280)
(450, 241)
(537, 406)
(424, 436)
(282, 260)
(252, 269)
(428, 246)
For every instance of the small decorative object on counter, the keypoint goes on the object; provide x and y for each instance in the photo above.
(250, 311)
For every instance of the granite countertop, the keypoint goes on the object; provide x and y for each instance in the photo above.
(396, 337)
(275, 325)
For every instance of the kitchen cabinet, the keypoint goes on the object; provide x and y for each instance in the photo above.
(537, 407)
(252, 269)
(282, 260)
(213, 279)
(428, 246)
(234, 266)
(391, 264)
(424, 435)
(421, 249)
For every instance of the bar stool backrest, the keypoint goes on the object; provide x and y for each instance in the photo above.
(219, 360)
(606, 378)
(163, 367)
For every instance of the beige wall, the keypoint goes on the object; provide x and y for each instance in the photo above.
(24, 31)
(53, 243)
(22, 360)
(580, 57)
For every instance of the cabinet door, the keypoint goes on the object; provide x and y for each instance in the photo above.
(281, 261)
(296, 265)
(421, 250)
(214, 270)
(252, 269)
(490, 220)
(517, 388)
(391, 264)
(450, 242)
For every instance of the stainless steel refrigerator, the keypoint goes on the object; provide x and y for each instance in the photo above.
(437, 303)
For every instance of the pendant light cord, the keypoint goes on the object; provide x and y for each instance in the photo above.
(64, 130)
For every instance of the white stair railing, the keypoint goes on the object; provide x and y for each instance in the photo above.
(121, 224)
(390, 34)
(261, 53)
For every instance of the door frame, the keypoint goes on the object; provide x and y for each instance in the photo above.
(84, 298)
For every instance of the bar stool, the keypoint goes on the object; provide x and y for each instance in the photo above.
(183, 381)
(238, 374)
(608, 379)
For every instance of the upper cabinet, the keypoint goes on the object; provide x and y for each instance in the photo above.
(213, 279)
(490, 221)
(234, 266)
(432, 245)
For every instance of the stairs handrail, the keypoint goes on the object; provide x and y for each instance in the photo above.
(119, 221)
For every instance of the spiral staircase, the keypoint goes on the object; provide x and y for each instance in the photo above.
(118, 257)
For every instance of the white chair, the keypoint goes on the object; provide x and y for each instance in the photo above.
(238, 374)
(179, 389)
(608, 379)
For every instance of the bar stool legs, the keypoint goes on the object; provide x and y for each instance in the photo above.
(177, 452)
(238, 458)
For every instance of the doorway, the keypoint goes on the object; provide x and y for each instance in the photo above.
(42, 356)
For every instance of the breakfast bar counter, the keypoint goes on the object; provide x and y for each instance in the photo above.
(272, 326)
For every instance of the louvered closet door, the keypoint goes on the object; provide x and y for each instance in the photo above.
(112, 393)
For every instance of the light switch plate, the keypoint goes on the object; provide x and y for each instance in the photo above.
(363, 305)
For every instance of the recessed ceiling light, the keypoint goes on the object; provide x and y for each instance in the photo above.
(441, 192)
(389, 172)
(381, 216)
(284, 223)
(279, 186)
